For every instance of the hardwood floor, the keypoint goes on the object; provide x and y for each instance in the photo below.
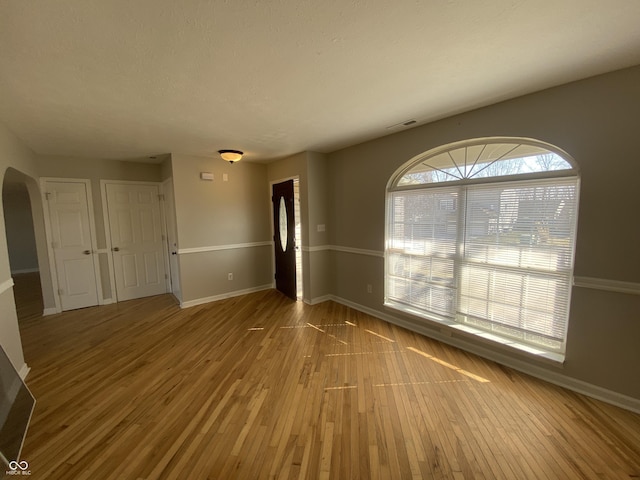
(259, 387)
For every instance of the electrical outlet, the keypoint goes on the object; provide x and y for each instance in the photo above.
(230, 276)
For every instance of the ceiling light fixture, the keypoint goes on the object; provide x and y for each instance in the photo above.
(231, 155)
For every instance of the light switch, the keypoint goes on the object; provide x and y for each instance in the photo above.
(321, 228)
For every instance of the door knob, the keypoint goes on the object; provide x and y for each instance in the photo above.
(87, 252)
(115, 249)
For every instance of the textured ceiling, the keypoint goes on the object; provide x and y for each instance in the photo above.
(126, 79)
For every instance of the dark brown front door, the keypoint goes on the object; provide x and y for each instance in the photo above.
(284, 238)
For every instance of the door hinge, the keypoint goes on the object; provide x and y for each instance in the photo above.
(161, 197)
(47, 195)
(60, 291)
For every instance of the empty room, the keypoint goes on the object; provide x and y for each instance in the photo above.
(313, 240)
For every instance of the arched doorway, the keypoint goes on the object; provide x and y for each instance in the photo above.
(26, 244)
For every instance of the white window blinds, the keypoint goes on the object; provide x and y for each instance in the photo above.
(516, 267)
(422, 249)
(494, 256)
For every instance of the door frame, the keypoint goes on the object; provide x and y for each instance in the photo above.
(168, 210)
(49, 237)
(107, 229)
(299, 249)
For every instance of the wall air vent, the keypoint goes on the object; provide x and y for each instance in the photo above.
(406, 123)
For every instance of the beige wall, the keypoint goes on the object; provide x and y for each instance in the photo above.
(312, 170)
(13, 155)
(319, 261)
(21, 239)
(165, 168)
(214, 214)
(318, 187)
(204, 274)
(96, 169)
(596, 122)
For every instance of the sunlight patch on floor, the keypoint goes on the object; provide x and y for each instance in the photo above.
(379, 336)
(328, 334)
(475, 377)
(345, 387)
(359, 353)
(436, 382)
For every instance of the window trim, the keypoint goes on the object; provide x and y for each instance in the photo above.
(448, 327)
(435, 320)
(392, 184)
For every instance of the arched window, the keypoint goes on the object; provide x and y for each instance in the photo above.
(480, 236)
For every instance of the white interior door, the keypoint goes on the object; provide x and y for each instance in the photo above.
(72, 244)
(172, 238)
(136, 240)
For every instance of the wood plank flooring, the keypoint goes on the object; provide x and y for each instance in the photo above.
(260, 387)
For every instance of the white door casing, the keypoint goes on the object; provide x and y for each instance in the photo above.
(72, 244)
(172, 238)
(135, 230)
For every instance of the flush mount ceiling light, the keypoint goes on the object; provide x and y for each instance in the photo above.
(231, 155)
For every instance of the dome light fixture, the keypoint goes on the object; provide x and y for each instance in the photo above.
(231, 155)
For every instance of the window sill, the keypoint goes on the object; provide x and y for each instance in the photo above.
(467, 332)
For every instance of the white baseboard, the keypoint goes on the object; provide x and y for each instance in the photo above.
(6, 285)
(317, 300)
(24, 371)
(215, 298)
(108, 301)
(50, 311)
(557, 378)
